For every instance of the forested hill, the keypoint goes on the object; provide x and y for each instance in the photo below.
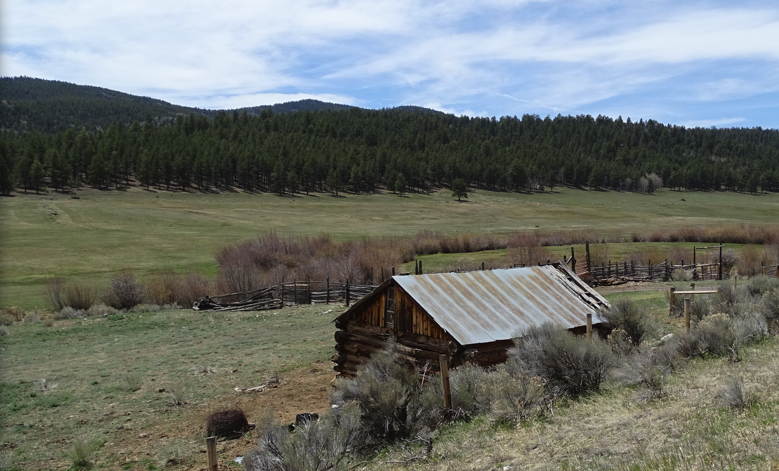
(31, 104)
(405, 150)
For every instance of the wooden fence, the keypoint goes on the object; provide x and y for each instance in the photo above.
(290, 293)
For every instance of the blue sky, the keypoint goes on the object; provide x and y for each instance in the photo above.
(695, 63)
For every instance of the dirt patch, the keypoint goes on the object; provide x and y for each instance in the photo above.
(302, 390)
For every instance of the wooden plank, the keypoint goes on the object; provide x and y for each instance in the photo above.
(700, 291)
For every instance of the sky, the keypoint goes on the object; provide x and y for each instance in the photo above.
(693, 63)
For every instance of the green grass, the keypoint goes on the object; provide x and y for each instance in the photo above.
(86, 365)
(102, 233)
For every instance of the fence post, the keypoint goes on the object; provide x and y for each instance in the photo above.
(327, 296)
(420, 267)
(294, 293)
(308, 283)
(482, 266)
(719, 265)
(573, 261)
(687, 313)
(347, 295)
(651, 275)
(443, 363)
(213, 465)
(589, 325)
(282, 292)
(671, 300)
(587, 255)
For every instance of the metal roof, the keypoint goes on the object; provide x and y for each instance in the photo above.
(486, 306)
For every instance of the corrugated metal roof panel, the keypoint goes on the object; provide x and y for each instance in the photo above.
(485, 306)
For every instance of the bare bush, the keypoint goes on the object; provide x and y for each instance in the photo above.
(125, 292)
(769, 306)
(626, 315)
(576, 365)
(79, 296)
(54, 293)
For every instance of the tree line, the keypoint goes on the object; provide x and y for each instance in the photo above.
(404, 150)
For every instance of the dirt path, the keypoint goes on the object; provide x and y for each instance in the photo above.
(303, 390)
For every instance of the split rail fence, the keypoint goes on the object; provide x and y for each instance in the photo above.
(289, 293)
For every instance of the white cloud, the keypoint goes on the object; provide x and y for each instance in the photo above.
(707, 123)
(465, 57)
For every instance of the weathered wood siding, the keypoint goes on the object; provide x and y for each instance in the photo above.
(419, 340)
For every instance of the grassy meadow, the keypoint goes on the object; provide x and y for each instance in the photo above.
(102, 233)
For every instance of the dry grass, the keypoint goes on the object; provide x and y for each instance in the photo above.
(686, 429)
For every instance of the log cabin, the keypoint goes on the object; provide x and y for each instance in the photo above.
(471, 317)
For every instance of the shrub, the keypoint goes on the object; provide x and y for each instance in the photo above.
(575, 365)
(325, 444)
(734, 395)
(667, 356)
(713, 336)
(80, 454)
(513, 399)
(227, 423)
(625, 315)
(124, 292)
(68, 312)
(749, 327)
(469, 385)
(388, 393)
(4, 331)
(759, 285)
(12, 314)
(680, 274)
(177, 394)
(78, 296)
(769, 306)
(700, 307)
(54, 293)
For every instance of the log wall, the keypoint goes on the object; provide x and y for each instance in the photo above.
(418, 339)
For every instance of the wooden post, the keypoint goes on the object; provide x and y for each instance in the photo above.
(587, 255)
(589, 326)
(573, 261)
(694, 256)
(213, 465)
(308, 283)
(687, 313)
(692, 286)
(393, 271)
(420, 267)
(294, 293)
(443, 363)
(671, 300)
(327, 288)
(347, 294)
(482, 266)
(651, 276)
(282, 292)
(719, 268)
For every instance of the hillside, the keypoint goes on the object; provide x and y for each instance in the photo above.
(32, 104)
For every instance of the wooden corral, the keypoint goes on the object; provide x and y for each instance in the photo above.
(470, 317)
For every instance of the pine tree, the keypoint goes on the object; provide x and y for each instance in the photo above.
(37, 172)
(459, 189)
